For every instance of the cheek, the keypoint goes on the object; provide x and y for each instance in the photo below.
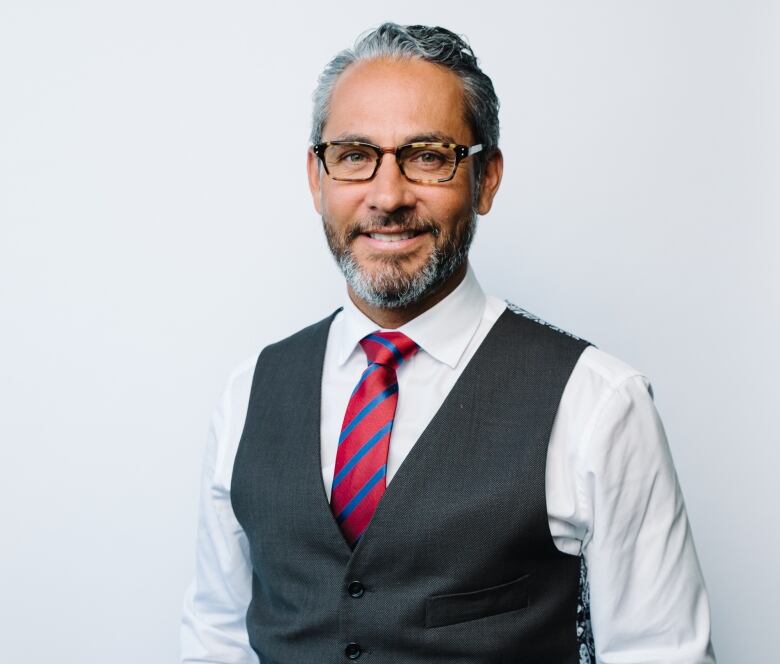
(451, 211)
(339, 203)
(453, 197)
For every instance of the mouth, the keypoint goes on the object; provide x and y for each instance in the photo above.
(393, 237)
(392, 240)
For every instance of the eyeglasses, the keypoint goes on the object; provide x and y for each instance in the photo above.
(428, 163)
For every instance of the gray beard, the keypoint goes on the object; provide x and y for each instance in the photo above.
(392, 287)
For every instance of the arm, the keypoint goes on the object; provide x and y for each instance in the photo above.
(213, 626)
(648, 600)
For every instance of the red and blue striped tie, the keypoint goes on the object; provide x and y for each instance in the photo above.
(361, 459)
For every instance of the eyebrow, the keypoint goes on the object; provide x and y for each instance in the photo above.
(430, 137)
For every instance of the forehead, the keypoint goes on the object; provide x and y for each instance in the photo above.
(390, 102)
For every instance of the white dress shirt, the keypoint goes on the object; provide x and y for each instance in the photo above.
(612, 492)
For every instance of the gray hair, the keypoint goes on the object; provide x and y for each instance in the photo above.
(432, 44)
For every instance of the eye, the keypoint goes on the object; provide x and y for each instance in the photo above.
(354, 157)
(428, 157)
(349, 155)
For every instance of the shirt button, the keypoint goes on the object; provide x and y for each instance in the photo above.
(355, 589)
(352, 650)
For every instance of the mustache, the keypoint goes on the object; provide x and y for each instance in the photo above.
(405, 223)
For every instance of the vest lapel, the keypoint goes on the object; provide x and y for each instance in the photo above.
(313, 486)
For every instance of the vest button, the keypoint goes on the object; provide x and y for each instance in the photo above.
(352, 650)
(355, 589)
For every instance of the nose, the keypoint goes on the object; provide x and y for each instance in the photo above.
(389, 190)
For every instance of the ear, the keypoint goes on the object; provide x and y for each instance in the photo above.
(313, 171)
(491, 179)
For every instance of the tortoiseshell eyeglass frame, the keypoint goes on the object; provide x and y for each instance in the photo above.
(461, 152)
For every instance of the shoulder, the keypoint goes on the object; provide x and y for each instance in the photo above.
(602, 382)
(541, 344)
(229, 416)
(542, 324)
(266, 365)
(240, 378)
(235, 394)
(595, 367)
(310, 339)
(604, 373)
(598, 379)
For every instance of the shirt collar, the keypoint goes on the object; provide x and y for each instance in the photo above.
(443, 331)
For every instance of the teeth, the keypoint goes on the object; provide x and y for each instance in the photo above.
(391, 237)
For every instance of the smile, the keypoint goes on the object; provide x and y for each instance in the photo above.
(391, 237)
(392, 241)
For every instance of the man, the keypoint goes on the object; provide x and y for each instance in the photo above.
(429, 475)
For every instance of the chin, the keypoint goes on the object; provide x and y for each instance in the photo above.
(393, 287)
(383, 265)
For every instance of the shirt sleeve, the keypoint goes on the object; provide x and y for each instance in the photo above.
(213, 625)
(648, 600)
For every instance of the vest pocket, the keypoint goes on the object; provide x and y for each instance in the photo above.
(453, 608)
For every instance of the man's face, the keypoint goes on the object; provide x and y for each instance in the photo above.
(397, 241)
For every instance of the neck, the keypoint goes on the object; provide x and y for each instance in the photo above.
(390, 319)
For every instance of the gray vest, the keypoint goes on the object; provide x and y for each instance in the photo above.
(458, 564)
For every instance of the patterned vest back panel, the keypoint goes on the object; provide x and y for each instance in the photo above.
(458, 564)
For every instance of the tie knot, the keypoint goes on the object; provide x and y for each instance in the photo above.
(390, 349)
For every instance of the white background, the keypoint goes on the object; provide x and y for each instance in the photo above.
(156, 230)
